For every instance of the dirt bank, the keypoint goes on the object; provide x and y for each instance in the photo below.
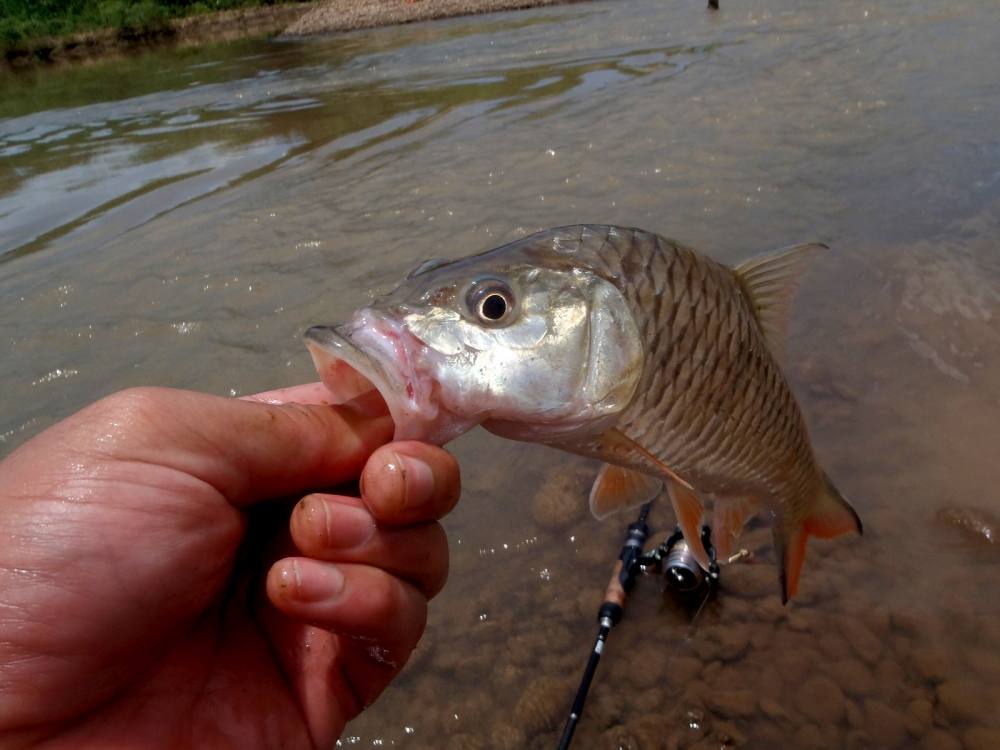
(210, 27)
(343, 15)
(295, 19)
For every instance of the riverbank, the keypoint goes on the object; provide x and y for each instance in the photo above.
(287, 19)
(103, 43)
(346, 15)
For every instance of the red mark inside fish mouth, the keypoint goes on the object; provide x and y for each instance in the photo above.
(374, 352)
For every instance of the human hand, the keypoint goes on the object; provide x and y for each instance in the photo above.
(136, 604)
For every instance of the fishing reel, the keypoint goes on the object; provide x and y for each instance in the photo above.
(682, 575)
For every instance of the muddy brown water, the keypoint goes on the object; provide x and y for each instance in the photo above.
(180, 218)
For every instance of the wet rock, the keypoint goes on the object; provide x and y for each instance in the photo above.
(906, 624)
(965, 700)
(682, 670)
(808, 737)
(820, 699)
(794, 665)
(889, 678)
(981, 738)
(761, 636)
(855, 716)
(588, 602)
(853, 676)
(728, 735)
(772, 708)
(738, 704)
(507, 674)
(648, 700)
(542, 705)
(726, 642)
(919, 716)
(466, 741)
(628, 738)
(506, 737)
(802, 622)
(561, 498)
(834, 646)
(931, 663)
(938, 739)
(878, 621)
(862, 640)
(651, 670)
(885, 725)
(858, 740)
(984, 662)
(607, 707)
(750, 580)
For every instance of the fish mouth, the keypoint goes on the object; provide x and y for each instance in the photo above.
(374, 352)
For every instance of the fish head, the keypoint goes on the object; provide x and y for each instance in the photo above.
(530, 345)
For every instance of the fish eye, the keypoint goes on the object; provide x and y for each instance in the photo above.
(491, 301)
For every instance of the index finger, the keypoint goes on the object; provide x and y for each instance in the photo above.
(410, 482)
(307, 393)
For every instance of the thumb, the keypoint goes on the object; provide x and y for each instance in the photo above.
(248, 451)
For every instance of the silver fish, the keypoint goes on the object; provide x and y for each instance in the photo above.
(617, 344)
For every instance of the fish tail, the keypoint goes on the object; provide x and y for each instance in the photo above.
(831, 515)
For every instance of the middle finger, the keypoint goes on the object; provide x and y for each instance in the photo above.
(336, 528)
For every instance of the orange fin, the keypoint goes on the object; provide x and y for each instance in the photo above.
(689, 512)
(617, 488)
(791, 549)
(830, 516)
(728, 520)
(617, 442)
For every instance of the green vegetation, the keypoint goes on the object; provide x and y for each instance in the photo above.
(22, 21)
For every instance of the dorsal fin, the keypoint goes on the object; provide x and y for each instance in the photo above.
(769, 282)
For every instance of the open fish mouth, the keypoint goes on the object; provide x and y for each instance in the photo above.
(376, 352)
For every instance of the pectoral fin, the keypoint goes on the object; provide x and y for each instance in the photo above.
(617, 488)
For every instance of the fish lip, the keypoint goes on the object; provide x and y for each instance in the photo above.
(349, 371)
(346, 370)
(374, 351)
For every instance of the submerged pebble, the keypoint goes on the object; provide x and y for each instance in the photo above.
(542, 705)
(981, 738)
(562, 497)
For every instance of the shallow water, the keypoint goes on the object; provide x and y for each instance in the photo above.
(179, 218)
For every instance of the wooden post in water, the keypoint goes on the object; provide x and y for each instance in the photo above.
(713, 4)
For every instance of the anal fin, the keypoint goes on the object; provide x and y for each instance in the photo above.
(728, 519)
(617, 488)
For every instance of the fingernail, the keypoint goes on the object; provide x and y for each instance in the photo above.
(339, 526)
(314, 582)
(418, 480)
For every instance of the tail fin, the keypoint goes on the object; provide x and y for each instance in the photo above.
(831, 516)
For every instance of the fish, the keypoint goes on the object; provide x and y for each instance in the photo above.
(617, 344)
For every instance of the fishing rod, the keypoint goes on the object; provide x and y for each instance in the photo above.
(683, 576)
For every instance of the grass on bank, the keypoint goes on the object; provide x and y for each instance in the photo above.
(24, 21)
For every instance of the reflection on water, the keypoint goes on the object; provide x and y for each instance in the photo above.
(179, 218)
